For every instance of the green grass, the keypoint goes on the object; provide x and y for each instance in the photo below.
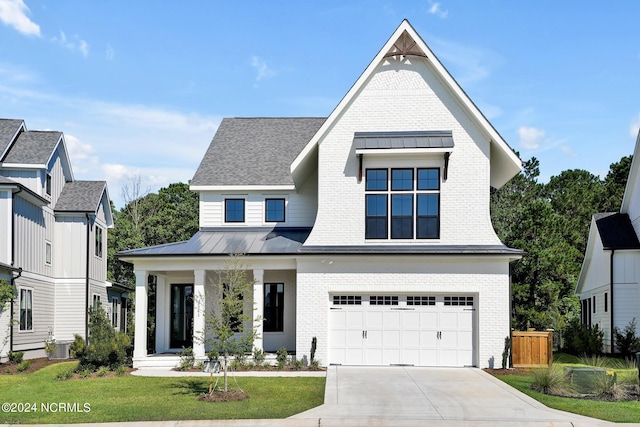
(620, 412)
(132, 398)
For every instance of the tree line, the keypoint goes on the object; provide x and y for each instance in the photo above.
(549, 221)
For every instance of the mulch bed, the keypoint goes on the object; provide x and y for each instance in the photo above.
(9, 368)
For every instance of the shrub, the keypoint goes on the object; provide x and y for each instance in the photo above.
(106, 346)
(65, 375)
(627, 342)
(314, 365)
(121, 370)
(78, 347)
(103, 371)
(297, 365)
(15, 356)
(85, 373)
(187, 359)
(581, 339)
(266, 366)
(24, 365)
(282, 356)
(551, 380)
(258, 356)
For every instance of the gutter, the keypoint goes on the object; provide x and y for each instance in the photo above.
(11, 318)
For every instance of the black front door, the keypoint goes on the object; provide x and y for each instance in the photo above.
(181, 316)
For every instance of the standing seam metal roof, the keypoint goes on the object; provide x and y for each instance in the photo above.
(616, 231)
(417, 139)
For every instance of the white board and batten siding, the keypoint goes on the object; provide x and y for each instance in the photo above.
(43, 294)
(626, 296)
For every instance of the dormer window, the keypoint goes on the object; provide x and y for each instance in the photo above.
(234, 210)
(48, 184)
(274, 210)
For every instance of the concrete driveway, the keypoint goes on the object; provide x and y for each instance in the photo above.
(425, 396)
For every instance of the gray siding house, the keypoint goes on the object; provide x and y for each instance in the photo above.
(53, 240)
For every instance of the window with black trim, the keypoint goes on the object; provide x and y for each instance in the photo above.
(273, 307)
(26, 310)
(274, 210)
(234, 210)
(606, 302)
(47, 253)
(48, 184)
(98, 242)
(402, 203)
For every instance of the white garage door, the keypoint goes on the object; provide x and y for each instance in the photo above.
(420, 330)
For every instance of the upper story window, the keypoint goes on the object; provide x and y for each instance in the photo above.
(402, 203)
(274, 210)
(47, 253)
(234, 210)
(48, 184)
(99, 242)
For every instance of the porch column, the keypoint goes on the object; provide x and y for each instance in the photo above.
(258, 308)
(162, 315)
(199, 309)
(140, 346)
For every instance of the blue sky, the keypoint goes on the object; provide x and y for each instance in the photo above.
(139, 87)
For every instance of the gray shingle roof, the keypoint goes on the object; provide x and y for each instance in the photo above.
(616, 231)
(8, 129)
(255, 151)
(33, 147)
(80, 196)
(223, 241)
(417, 139)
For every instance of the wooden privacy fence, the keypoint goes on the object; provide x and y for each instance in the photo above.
(531, 349)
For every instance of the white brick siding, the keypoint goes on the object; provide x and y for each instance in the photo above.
(487, 279)
(401, 98)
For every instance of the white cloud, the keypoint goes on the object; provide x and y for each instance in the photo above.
(14, 14)
(568, 151)
(531, 138)
(81, 155)
(110, 53)
(467, 64)
(435, 9)
(634, 128)
(262, 68)
(76, 44)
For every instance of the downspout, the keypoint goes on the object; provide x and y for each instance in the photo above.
(13, 251)
(86, 293)
(611, 325)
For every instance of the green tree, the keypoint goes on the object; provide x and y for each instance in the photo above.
(225, 332)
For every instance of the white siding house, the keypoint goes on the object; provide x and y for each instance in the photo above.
(368, 230)
(50, 225)
(609, 282)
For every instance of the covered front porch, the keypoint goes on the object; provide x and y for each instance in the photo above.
(172, 307)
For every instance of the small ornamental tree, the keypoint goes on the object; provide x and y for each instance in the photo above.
(225, 331)
(8, 292)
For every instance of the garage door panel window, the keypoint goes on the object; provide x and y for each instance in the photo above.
(347, 300)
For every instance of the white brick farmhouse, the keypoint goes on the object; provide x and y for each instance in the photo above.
(608, 282)
(368, 229)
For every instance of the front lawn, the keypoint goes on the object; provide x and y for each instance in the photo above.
(620, 412)
(42, 399)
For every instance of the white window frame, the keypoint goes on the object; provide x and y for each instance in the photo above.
(48, 252)
(99, 242)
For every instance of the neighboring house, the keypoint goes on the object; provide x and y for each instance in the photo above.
(117, 305)
(368, 230)
(609, 282)
(53, 246)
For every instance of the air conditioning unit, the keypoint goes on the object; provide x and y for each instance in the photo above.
(61, 350)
